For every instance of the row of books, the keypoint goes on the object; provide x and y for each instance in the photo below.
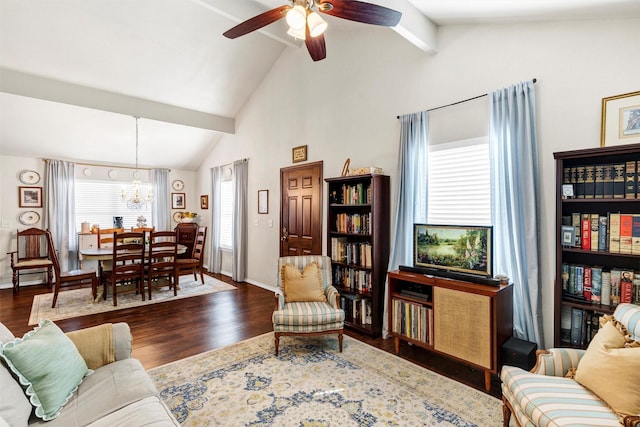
(613, 232)
(357, 194)
(597, 285)
(353, 223)
(349, 278)
(353, 253)
(578, 326)
(357, 309)
(619, 180)
(412, 320)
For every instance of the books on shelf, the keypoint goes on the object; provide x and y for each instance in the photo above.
(578, 326)
(613, 232)
(354, 253)
(412, 320)
(356, 194)
(619, 180)
(597, 285)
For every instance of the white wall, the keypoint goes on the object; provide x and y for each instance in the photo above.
(346, 106)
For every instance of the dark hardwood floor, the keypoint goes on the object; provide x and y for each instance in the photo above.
(169, 331)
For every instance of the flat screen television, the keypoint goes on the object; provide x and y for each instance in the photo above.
(464, 249)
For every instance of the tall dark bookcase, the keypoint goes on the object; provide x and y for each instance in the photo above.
(614, 190)
(358, 244)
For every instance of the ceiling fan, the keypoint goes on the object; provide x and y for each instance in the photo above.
(306, 24)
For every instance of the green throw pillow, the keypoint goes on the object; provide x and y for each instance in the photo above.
(48, 364)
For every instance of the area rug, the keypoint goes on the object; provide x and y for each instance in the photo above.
(78, 302)
(310, 383)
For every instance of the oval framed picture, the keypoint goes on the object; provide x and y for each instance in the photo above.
(29, 218)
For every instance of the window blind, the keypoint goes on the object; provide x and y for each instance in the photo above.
(226, 214)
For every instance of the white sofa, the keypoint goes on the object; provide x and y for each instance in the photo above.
(116, 394)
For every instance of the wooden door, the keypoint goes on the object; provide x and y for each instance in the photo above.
(301, 210)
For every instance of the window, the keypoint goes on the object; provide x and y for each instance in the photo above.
(97, 202)
(459, 183)
(226, 213)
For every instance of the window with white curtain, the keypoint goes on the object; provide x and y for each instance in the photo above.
(459, 183)
(97, 202)
(226, 213)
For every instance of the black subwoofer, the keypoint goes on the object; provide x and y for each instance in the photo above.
(520, 353)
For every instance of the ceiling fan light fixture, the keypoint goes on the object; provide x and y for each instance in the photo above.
(298, 34)
(297, 17)
(316, 24)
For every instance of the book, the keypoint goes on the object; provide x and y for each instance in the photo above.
(636, 289)
(595, 228)
(598, 192)
(614, 233)
(565, 324)
(626, 232)
(602, 233)
(565, 277)
(590, 181)
(618, 180)
(579, 280)
(586, 283)
(630, 180)
(596, 284)
(579, 185)
(616, 275)
(572, 279)
(626, 286)
(605, 291)
(575, 221)
(607, 184)
(635, 235)
(586, 232)
(577, 320)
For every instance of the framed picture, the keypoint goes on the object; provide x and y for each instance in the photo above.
(30, 197)
(299, 154)
(568, 235)
(263, 201)
(620, 120)
(204, 202)
(178, 201)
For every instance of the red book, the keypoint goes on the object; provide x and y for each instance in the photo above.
(586, 234)
(626, 286)
(586, 283)
(626, 233)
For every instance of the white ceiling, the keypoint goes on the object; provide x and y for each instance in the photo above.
(75, 72)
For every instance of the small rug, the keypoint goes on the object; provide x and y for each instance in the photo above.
(78, 302)
(312, 384)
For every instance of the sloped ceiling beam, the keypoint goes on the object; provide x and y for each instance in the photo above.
(19, 83)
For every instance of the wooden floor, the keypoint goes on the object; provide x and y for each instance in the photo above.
(169, 331)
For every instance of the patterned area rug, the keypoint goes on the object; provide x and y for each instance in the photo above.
(78, 302)
(311, 384)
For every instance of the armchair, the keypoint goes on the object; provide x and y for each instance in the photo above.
(297, 314)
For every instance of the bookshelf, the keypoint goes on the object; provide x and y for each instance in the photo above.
(596, 229)
(464, 320)
(358, 244)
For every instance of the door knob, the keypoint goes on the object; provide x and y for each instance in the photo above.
(285, 234)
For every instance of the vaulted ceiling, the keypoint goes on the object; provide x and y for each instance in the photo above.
(74, 73)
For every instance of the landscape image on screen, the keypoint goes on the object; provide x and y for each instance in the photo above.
(455, 248)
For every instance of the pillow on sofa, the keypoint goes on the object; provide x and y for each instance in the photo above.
(611, 368)
(305, 285)
(48, 364)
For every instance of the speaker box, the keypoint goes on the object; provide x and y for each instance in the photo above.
(520, 353)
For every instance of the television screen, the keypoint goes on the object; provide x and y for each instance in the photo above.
(466, 249)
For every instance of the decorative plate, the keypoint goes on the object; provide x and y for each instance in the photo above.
(29, 217)
(177, 185)
(177, 216)
(29, 177)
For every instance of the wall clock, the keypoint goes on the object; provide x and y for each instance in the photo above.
(177, 185)
(29, 177)
(29, 217)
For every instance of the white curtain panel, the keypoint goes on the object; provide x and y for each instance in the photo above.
(215, 254)
(240, 212)
(161, 204)
(60, 210)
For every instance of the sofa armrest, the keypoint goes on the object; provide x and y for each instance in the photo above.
(333, 296)
(103, 344)
(557, 361)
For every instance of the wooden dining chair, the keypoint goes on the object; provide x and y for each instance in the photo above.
(161, 268)
(127, 265)
(141, 229)
(194, 263)
(72, 277)
(31, 256)
(105, 236)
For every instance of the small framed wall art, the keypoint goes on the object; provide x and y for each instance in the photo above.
(204, 202)
(299, 154)
(178, 201)
(30, 197)
(620, 120)
(263, 201)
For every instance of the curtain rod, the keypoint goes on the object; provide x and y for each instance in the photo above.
(460, 102)
(110, 166)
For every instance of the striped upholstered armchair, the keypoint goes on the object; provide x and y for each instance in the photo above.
(306, 301)
(546, 397)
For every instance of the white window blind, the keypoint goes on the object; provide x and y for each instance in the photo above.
(460, 183)
(97, 202)
(226, 214)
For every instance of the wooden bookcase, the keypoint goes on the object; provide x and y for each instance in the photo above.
(597, 193)
(464, 320)
(358, 244)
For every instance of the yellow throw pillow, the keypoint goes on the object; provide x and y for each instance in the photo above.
(305, 285)
(611, 368)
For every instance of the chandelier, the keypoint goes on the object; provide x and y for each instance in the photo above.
(136, 202)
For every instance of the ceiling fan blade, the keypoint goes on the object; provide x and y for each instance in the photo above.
(360, 12)
(257, 22)
(315, 45)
